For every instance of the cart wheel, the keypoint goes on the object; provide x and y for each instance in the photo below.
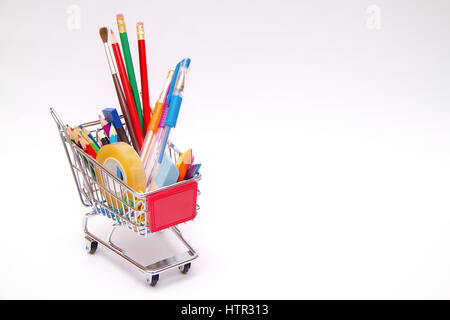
(91, 246)
(153, 280)
(185, 268)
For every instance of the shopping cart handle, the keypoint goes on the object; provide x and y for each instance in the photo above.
(57, 119)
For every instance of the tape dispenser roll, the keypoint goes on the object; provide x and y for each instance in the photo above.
(122, 161)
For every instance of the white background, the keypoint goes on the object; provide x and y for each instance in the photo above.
(324, 144)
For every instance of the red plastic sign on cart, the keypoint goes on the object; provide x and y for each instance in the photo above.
(172, 206)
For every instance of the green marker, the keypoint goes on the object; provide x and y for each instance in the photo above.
(130, 68)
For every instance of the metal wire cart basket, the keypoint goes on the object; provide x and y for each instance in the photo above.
(142, 213)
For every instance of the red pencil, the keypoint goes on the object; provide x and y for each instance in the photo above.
(144, 77)
(87, 147)
(127, 90)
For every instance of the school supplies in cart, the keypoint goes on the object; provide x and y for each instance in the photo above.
(113, 174)
(121, 196)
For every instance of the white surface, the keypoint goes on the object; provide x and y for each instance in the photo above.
(325, 147)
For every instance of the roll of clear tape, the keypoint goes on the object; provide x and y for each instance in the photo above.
(121, 160)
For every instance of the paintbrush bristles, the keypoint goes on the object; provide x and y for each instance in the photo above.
(104, 34)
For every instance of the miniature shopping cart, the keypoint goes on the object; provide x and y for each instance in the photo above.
(142, 213)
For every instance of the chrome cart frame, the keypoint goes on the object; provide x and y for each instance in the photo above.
(107, 195)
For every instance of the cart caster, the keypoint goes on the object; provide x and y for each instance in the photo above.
(153, 280)
(185, 268)
(91, 246)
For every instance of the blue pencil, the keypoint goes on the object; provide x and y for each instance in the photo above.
(112, 134)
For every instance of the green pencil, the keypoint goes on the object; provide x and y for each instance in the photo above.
(130, 68)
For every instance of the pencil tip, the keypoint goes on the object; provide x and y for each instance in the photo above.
(113, 37)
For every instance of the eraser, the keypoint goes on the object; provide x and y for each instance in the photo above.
(190, 172)
(183, 163)
(111, 115)
(167, 173)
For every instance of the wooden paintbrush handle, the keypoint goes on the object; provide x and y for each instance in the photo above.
(126, 114)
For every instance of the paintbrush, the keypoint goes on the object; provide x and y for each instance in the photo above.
(120, 95)
(136, 129)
